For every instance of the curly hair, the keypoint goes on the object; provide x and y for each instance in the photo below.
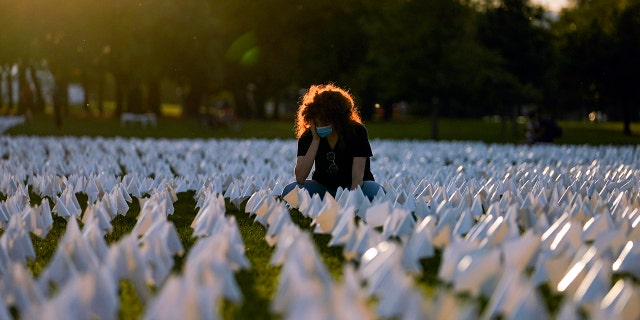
(327, 103)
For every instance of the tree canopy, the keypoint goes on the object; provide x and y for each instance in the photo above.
(450, 57)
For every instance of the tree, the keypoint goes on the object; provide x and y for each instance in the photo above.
(519, 34)
(599, 45)
(426, 53)
(279, 47)
(627, 65)
(16, 41)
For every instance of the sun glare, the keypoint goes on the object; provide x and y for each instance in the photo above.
(553, 5)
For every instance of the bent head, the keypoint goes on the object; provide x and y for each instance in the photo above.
(324, 105)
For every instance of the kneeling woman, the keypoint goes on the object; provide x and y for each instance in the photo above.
(331, 135)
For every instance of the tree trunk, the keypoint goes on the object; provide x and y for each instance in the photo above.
(100, 93)
(11, 102)
(503, 123)
(514, 123)
(239, 100)
(626, 114)
(154, 97)
(367, 107)
(251, 100)
(25, 104)
(85, 88)
(38, 105)
(60, 101)
(2, 86)
(192, 102)
(435, 105)
(120, 94)
(627, 127)
(387, 111)
(135, 100)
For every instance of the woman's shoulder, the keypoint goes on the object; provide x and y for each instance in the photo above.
(356, 132)
(306, 136)
(356, 126)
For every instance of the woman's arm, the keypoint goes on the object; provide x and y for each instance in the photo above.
(357, 171)
(305, 163)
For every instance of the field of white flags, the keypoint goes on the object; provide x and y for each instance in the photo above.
(515, 229)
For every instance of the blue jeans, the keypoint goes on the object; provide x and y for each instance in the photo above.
(369, 188)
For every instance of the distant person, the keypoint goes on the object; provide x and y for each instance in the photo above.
(227, 115)
(541, 129)
(331, 135)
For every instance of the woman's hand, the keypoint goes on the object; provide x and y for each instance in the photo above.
(314, 132)
(305, 163)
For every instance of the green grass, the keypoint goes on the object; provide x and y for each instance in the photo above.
(574, 132)
(258, 284)
(608, 133)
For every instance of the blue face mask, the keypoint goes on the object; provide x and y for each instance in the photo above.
(324, 132)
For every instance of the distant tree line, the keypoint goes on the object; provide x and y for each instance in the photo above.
(453, 58)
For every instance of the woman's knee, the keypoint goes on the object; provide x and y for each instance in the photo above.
(288, 188)
(371, 189)
(311, 186)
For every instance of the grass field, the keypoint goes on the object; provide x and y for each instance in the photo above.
(258, 283)
(574, 132)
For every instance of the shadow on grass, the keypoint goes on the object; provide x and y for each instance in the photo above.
(332, 256)
(184, 213)
(258, 283)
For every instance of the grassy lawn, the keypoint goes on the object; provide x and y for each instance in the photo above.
(574, 132)
(258, 284)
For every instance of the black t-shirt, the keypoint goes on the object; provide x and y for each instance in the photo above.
(354, 142)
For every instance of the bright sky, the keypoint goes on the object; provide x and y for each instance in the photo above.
(553, 5)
